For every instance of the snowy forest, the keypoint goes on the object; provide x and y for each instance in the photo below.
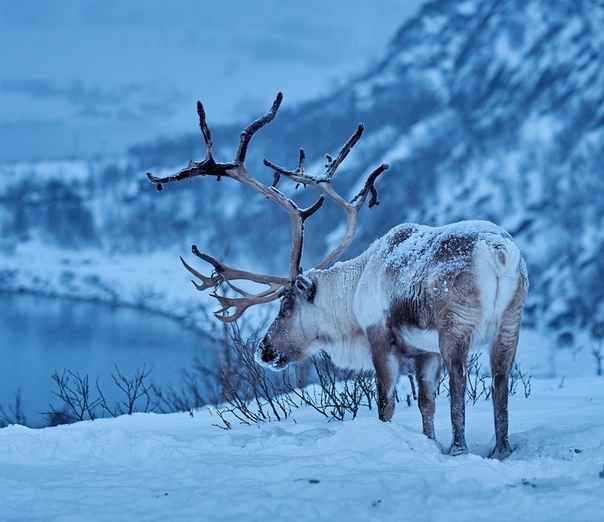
(484, 110)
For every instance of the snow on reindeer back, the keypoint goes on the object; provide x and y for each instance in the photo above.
(422, 254)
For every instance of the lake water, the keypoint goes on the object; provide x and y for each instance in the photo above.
(40, 336)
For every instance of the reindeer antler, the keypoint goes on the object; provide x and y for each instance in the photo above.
(323, 183)
(236, 170)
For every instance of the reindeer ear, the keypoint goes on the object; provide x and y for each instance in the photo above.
(305, 288)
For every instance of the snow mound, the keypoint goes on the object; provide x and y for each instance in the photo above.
(184, 467)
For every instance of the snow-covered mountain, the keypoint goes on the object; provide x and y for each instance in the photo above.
(490, 109)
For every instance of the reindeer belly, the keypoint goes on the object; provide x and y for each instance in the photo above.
(417, 339)
(422, 340)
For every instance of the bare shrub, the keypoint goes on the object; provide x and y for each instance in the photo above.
(476, 386)
(245, 392)
(338, 392)
(198, 387)
(251, 394)
(479, 382)
(14, 415)
(78, 402)
(517, 376)
(139, 395)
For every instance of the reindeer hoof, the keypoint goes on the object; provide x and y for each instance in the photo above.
(457, 449)
(386, 412)
(502, 452)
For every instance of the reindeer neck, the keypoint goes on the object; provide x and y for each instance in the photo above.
(336, 287)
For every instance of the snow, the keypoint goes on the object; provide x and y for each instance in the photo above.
(154, 281)
(506, 51)
(68, 171)
(416, 137)
(466, 8)
(185, 467)
(417, 256)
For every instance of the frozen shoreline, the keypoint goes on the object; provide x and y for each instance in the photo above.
(154, 282)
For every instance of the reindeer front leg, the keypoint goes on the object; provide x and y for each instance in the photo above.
(387, 369)
(427, 372)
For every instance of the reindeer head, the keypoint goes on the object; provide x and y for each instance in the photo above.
(291, 336)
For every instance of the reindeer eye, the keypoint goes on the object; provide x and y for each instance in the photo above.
(287, 305)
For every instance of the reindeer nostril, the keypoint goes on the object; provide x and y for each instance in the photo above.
(268, 354)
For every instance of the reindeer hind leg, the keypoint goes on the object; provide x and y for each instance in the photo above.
(502, 356)
(454, 350)
(503, 352)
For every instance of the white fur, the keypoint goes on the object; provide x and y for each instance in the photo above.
(424, 340)
(333, 315)
(350, 353)
(497, 282)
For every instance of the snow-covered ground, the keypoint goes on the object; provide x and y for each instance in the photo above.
(183, 467)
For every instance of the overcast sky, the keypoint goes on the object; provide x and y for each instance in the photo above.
(94, 77)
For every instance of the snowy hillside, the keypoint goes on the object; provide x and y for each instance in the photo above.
(484, 109)
(183, 467)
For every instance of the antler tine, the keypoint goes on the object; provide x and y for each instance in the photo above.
(205, 130)
(241, 304)
(252, 128)
(352, 210)
(298, 217)
(288, 173)
(224, 273)
(210, 167)
(332, 165)
(295, 267)
(369, 188)
(207, 282)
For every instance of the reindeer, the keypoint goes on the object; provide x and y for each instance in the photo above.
(415, 295)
